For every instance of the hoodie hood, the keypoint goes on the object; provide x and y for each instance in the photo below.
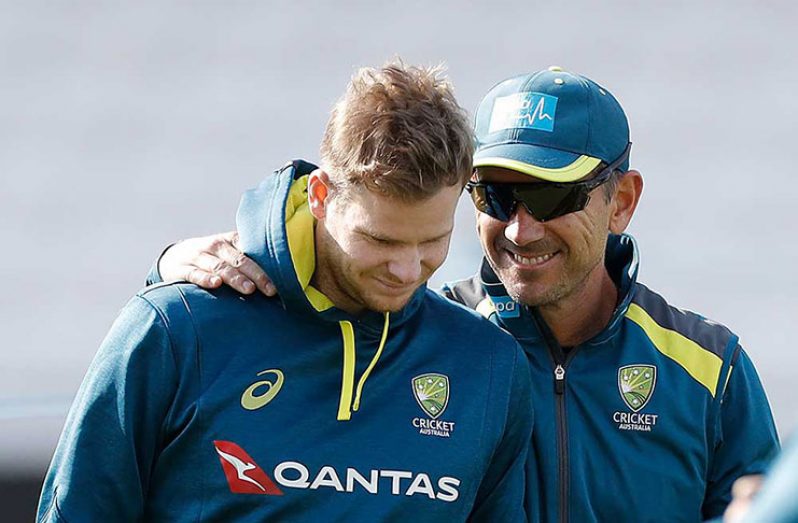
(276, 230)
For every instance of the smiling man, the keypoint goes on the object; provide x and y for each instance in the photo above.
(645, 412)
(338, 401)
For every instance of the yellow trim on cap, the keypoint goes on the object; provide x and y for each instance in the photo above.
(701, 364)
(580, 168)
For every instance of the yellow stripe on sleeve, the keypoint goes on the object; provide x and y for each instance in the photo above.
(701, 364)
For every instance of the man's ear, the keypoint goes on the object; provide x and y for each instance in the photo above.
(318, 192)
(625, 200)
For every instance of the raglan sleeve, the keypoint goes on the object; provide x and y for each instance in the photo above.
(507, 487)
(746, 441)
(103, 461)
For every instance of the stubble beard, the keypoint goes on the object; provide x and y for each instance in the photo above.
(569, 283)
(350, 287)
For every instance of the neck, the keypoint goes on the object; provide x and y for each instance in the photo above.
(583, 314)
(324, 282)
(324, 277)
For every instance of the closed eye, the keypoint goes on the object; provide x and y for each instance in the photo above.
(435, 240)
(379, 241)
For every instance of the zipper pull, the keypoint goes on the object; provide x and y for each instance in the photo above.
(559, 379)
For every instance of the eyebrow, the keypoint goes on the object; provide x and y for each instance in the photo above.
(379, 237)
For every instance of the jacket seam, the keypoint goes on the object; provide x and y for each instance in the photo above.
(723, 381)
(485, 422)
(198, 355)
(172, 348)
(163, 428)
(506, 408)
(169, 335)
(53, 509)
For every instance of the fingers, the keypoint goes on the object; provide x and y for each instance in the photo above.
(204, 279)
(746, 486)
(743, 492)
(213, 260)
(230, 275)
(254, 273)
(242, 266)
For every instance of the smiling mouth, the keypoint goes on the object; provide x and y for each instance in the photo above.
(533, 260)
(393, 288)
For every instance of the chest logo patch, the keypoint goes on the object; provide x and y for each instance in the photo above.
(244, 476)
(431, 391)
(262, 392)
(636, 384)
(527, 110)
(506, 307)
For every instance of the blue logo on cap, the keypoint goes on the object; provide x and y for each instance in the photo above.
(506, 307)
(528, 110)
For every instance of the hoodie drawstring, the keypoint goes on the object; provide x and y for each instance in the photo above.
(345, 404)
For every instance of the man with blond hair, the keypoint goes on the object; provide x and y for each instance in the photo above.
(339, 400)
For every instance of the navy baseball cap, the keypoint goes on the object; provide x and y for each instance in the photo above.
(552, 124)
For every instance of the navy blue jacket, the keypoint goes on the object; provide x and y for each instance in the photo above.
(650, 420)
(210, 406)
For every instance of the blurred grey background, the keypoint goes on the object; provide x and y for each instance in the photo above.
(124, 127)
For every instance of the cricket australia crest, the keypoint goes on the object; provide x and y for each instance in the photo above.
(431, 391)
(636, 384)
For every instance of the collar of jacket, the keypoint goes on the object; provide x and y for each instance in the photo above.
(621, 260)
(276, 230)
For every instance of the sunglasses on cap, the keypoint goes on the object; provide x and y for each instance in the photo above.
(545, 201)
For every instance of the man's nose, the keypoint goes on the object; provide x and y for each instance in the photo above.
(405, 267)
(523, 228)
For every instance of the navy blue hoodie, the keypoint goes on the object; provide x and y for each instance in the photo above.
(211, 406)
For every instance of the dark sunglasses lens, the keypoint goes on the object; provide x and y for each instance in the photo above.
(546, 202)
(495, 201)
(543, 201)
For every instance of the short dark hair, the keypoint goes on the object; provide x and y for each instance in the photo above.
(611, 184)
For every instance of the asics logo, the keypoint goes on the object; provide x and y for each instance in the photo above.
(268, 388)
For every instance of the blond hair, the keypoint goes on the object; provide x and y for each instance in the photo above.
(399, 131)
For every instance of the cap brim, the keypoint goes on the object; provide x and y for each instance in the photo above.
(545, 163)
